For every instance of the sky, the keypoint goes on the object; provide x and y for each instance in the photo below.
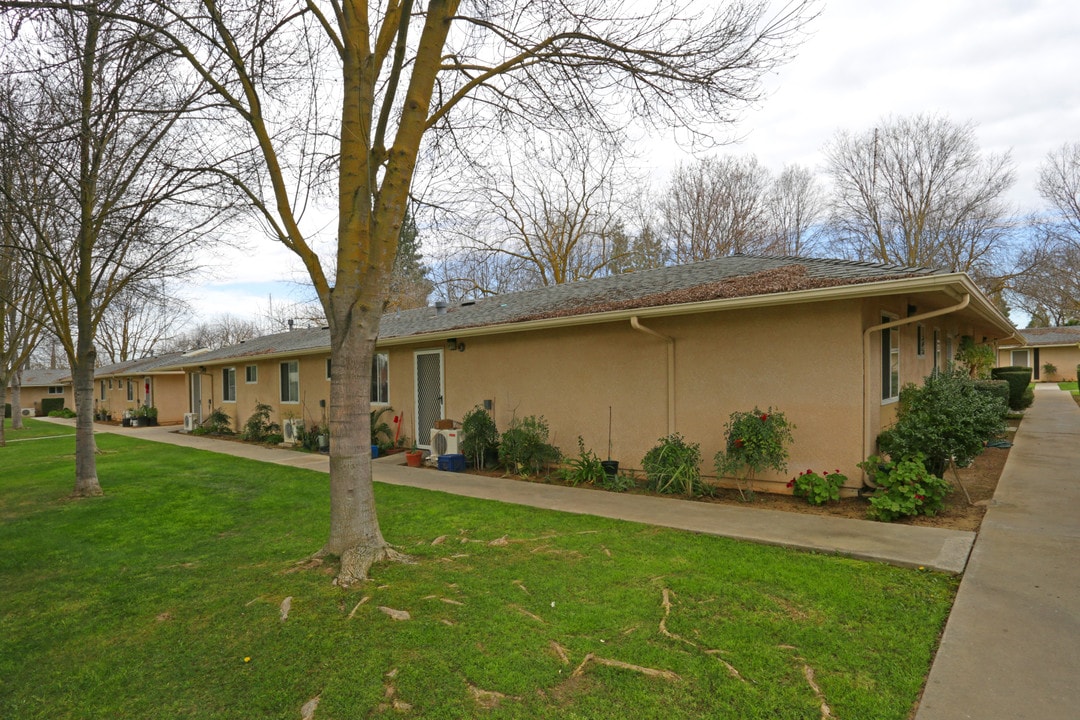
(1012, 67)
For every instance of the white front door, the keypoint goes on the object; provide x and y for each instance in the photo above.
(196, 395)
(429, 394)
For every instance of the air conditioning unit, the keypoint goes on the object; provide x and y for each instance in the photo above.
(445, 442)
(191, 421)
(289, 428)
(28, 412)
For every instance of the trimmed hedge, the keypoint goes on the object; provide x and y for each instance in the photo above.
(7, 410)
(50, 404)
(994, 388)
(1018, 379)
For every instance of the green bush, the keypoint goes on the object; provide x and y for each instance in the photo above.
(617, 483)
(585, 469)
(978, 358)
(382, 435)
(674, 466)
(479, 436)
(754, 441)
(945, 418)
(524, 447)
(817, 489)
(904, 488)
(259, 425)
(61, 413)
(7, 410)
(274, 439)
(1018, 378)
(995, 388)
(48, 405)
(216, 423)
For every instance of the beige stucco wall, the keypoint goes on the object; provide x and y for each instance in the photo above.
(167, 393)
(32, 397)
(1064, 358)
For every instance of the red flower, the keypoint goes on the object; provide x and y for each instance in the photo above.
(739, 442)
(920, 497)
(791, 482)
(764, 417)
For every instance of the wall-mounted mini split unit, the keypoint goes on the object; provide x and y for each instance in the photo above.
(445, 442)
(191, 421)
(289, 426)
(27, 412)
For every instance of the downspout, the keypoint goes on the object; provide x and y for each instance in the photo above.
(670, 370)
(868, 441)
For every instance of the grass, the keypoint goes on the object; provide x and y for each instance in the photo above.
(34, 429)
(162, 599)
(1070, 386)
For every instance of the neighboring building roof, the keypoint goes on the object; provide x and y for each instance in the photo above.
(44, 377)
(737, 276)
(1051, 336)
(142, 366)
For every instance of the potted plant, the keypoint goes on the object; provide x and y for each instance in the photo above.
(151, 414)
(414, 457)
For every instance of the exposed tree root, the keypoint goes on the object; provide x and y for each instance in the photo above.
(396, 614)
(286, 606)
(666, 602)
(357, 607)
(808, 672)
(390, 693)
(647, 671)
(355, 563)
(488, 699)
(560, 652)
(307, 710)
(525, 612)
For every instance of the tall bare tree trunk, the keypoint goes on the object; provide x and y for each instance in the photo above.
(86, 480)
(16, 402)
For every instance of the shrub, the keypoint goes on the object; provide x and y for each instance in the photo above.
(274, 439)
(945, 418)
(524, 447)
(585, 469)
(258, 426)
(977, 358)
(50, 404)
(1018, 378)
(216, 423)
(382, 435)
(1049, 368)
(308, 438)
(904, 488)
(61, 413)
(674, 466)
(479, 436)
(617, 483)
(754, 441)
(995, 388)
(817, 489)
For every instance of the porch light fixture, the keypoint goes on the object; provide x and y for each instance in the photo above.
(453, 345)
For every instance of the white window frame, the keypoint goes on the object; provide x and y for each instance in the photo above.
(890, 361)
(1027, 358)
(130, 390)
(380, 370)
(287, 384)
(251, 374)
(228, 384)
(102, 389)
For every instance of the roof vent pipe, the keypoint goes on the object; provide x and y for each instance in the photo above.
(440, 307)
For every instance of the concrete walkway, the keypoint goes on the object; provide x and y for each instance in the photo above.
(1011, 648)
(932, 548)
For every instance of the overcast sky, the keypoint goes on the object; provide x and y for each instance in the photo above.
(1010, 66)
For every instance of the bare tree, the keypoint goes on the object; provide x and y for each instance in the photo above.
(795, 209)
(1050, 287)
(439, 75)
(714, 207)
(101, 184)
(1059, 185)
(917, 191)
(140, 321)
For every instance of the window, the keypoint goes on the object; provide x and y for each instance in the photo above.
(130, 391)
(110, 383)
(380, 378)
(228, 385)
(920, 341)
(327, 368)
(251, 374)
(937, 349)
(890, 362)
(56, 389)
(290, 381)
(1020, 358)
(102, 389)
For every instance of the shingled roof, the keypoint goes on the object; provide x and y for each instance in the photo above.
(142, 366)
(1052, 336)
(44, 377)
(728, 277)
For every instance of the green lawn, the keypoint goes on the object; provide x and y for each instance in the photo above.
(1070, 386)
(163, 598)
(33, 429)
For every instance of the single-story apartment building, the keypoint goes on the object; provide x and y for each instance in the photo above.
(1058, 347)
(41, 383)
(126, 385)
(674, 349)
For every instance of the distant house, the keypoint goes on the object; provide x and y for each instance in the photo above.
(675, 349)
(127, 385)
(39, 384)
(1057, 346)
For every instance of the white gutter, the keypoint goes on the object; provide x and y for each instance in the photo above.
(670, 369)
(868, 400)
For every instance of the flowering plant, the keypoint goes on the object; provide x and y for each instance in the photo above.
(904, 488)
(817, 489)
(755, 441)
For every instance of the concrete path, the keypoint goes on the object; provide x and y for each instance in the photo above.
(1011, 648)
(932, 548)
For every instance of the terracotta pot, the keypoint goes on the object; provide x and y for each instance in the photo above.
(414, 459)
